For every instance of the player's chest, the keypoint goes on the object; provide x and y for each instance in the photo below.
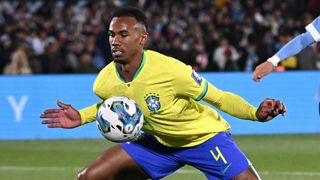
(153, 97)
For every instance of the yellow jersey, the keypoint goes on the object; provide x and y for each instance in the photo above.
(169, 92)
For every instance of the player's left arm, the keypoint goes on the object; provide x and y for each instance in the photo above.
(230, 103)
(190, 84)
(236, 106)
(269, 109)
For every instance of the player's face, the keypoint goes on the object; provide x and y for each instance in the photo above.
(127, 38)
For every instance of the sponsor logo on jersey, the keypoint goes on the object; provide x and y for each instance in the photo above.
(196, 77)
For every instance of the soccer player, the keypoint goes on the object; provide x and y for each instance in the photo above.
(179, 130)
(293, 47)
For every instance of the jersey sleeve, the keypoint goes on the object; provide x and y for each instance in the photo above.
(88, 114)
(188, 82)
(230, 103)
(314, 29)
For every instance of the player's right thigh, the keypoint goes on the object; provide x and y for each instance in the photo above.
(114, 163)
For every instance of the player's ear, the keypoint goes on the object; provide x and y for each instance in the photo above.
(144, 38)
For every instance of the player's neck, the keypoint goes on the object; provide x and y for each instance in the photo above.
(128, 70)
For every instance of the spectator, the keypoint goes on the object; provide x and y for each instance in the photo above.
(170, 22)
(291, 63)
(252, 57)
(307, 58)
(226, 56)
(52, 60)
(75, 49)
(200, 56)
(6, 48)
(86, 65)
(177, 52)
(19, 63)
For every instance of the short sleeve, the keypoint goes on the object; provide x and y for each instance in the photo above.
(314, 29)
(187, 82)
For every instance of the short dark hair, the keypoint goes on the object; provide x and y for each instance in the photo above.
(131, 12)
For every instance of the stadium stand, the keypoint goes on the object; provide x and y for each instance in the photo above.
(56, 36)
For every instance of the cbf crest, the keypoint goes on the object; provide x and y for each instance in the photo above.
(153, 102)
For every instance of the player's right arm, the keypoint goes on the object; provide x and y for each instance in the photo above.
(65, 117)
(293, 47)
(68, 117)
(88, 114)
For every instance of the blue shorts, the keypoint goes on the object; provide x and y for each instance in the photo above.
(218, 158)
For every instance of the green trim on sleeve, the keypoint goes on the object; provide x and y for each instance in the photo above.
(203, 93)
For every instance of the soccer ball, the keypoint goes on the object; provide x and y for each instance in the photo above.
(119, 119)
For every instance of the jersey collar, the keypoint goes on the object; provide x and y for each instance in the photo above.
(138, 70)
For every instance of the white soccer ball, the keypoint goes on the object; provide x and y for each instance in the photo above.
(119, 119)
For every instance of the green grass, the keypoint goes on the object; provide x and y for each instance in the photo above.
(276, 157)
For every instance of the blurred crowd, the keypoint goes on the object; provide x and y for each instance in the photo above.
(70, 36)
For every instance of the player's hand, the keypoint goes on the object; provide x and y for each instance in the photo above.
(262, 70)
(269, 109)
(65, 117)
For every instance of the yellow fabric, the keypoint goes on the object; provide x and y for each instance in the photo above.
(230, 103)
(88, 114)
(168, 93)
(291, 62)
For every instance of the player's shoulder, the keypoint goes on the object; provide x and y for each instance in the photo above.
(107, 71)
(163, 60)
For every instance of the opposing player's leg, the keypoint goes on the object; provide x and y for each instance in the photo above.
(114, 163)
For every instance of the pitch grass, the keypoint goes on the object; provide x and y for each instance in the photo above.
(276, 157)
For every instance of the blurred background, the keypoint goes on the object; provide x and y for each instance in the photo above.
(60, 36)
(52, 50)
